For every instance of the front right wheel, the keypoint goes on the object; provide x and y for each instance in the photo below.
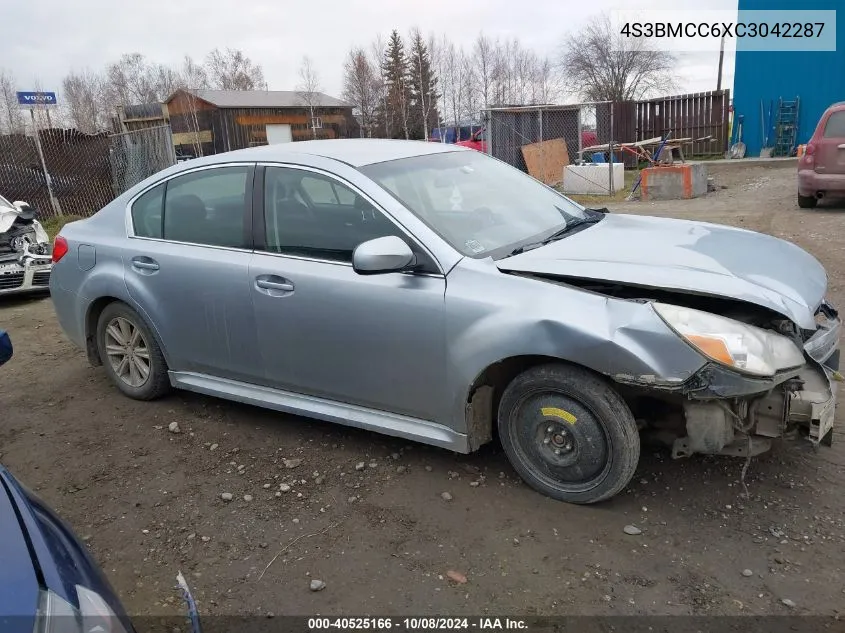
(568, 433)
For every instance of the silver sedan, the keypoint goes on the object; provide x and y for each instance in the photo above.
(434, 293)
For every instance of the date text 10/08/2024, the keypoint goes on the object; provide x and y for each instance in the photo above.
(418, 624)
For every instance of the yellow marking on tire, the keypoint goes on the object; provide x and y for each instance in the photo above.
(554, 412)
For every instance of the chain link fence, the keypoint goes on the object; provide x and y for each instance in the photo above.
(68, 172)
(548, 142)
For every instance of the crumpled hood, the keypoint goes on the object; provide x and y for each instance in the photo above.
(696, 257)
(8, 217)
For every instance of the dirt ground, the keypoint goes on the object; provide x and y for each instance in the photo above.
(148, 502)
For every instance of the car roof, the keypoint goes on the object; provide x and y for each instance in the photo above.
(355, 152)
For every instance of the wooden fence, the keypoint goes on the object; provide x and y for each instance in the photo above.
(696, 115)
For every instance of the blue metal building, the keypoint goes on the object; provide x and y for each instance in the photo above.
(816, 78)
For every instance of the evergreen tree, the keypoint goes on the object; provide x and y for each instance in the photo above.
(423, 89)
(395, 110)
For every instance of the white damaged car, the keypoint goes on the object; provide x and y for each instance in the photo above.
(25, 254)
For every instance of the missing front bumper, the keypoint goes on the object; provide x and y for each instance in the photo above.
(747, 426)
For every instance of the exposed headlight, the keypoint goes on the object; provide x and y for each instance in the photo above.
(57, 615)
(742, 347)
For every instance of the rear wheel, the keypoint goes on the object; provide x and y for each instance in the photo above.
(130, 354)
(568, 433)
(807, 202)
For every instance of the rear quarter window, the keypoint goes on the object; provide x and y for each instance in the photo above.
(835, 126)
(146, 213)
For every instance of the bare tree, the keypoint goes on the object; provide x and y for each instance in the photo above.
(132, 79)
(193, 77)
(453, 79)
(600, 64)
(501, 72)
(483, 57)
(471, 95)
(232, 70)
(166, 80)
(361, 87)
(11, 117)
(547, 81)
(84, 97)
(387, 114)
(308, 89)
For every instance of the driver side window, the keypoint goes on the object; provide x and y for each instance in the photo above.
(311, 215)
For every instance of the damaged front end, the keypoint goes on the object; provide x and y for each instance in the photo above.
(719, 411)
(734, 410)
(25, 257)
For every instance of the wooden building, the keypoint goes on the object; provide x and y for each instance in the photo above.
(212, 121)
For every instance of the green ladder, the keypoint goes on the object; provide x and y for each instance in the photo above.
(786, 127)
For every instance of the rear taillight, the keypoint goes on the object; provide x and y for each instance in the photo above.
(60, 248)
(808, 158)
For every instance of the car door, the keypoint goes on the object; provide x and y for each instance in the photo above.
(830, 153)
(371, 340)
(187, 268)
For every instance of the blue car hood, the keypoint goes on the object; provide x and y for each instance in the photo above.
(694, 257)
(58, 559)
(18, 579)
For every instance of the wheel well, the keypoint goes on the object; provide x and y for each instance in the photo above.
(486, 392)
(91, 320)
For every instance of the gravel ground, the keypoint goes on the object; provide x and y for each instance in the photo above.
(369, 516)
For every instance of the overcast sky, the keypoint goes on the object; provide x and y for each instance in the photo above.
(47, 38)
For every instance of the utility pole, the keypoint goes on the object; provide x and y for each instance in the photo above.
(721, 61)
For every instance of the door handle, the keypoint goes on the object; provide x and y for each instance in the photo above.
(841, 146)
(274, 285)
(145, 264)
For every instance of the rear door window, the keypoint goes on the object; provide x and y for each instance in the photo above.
(835, 126)
(209, 207)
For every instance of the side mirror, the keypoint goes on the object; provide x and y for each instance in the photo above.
(382, 255)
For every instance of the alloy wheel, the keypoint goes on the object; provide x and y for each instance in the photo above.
(127, 352)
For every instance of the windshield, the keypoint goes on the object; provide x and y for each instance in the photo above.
(481, 206)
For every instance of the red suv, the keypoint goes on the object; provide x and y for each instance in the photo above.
(821, 170)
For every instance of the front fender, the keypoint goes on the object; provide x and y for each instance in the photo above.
(624, 340)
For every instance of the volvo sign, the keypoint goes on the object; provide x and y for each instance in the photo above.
(36, 99)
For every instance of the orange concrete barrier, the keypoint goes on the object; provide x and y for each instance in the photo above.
(674, 182)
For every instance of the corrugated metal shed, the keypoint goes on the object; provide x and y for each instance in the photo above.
(818, 78)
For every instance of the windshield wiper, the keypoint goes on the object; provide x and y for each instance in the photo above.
(561, 232)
